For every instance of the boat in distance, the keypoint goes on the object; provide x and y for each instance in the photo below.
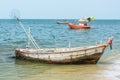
(60, 22)
(77, 55)
(75, 26)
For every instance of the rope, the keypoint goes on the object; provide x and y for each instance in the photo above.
(29, 35)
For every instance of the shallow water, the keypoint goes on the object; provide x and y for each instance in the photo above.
(12, 36)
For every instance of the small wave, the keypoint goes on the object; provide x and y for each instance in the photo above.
(19, 42)
(7, 39)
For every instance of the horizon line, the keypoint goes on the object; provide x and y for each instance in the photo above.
(60, 18)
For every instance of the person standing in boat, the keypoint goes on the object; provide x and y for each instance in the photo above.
(82, 22)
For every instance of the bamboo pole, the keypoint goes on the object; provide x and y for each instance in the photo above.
(28, 35)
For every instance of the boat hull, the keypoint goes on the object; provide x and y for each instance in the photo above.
(93, 59)
(58, 22)
(74, 26)
(88, 56)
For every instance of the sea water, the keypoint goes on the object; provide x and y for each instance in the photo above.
(49, 34)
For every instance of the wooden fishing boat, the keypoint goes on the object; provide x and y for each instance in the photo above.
(78, 55)
(64, 55)
(75, 26)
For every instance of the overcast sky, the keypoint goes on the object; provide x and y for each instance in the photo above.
(54, 9)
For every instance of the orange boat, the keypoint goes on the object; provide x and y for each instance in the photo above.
(75, 26)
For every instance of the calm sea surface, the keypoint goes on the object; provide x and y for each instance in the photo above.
(44, 30)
